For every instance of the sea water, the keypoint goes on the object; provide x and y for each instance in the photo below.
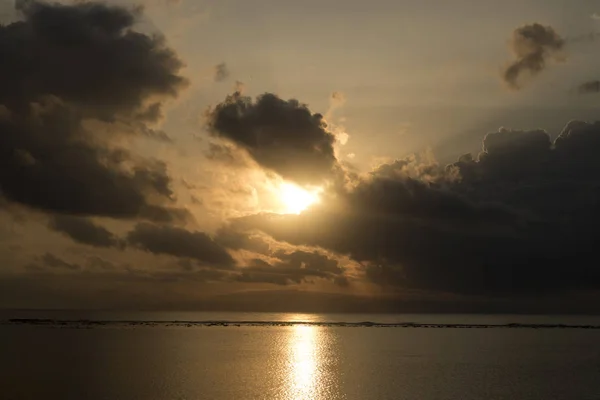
(146, 356)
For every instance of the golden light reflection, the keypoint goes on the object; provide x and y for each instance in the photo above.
(303, 359)
(296, 199)
(311, 364)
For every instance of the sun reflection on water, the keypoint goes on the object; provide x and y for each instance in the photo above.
(303, 359)
(310, 361)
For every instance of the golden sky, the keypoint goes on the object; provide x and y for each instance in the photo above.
(168, 153)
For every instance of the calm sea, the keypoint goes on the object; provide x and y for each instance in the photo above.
(279, 357)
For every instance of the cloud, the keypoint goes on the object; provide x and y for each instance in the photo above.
(97, 262)
(421, 167)
(179, 242)
(311, 261)
(293, 268)
(520, 219)
(84, 231)
(235, 240)
(239, 87)
(589, 87)
(533, 46)
(228, 155)
(342, 137)
(282, 136)
(54, 262)
(87, 54)
(79, 80)
(221, 72)
(337, 99)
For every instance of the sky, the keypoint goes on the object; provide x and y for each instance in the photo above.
(302, 156)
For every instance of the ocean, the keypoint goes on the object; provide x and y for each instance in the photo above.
(147, 356)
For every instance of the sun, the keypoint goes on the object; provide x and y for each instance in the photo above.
(296, 199)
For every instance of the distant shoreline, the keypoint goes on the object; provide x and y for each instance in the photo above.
(86, 324)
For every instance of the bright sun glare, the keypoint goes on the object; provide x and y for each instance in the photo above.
(296, 199)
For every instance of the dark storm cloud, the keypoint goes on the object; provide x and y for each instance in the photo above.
(84, 231)
(522, 218)
(179, 242)
(533, 46)
(522, 158)
(221, 72)
(293, 268)
(589, 87)
(407, 225)
(88, 55)
(282, 136)
(507, 153)
(73, 78)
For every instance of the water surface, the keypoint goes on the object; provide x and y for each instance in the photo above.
(299, 361)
